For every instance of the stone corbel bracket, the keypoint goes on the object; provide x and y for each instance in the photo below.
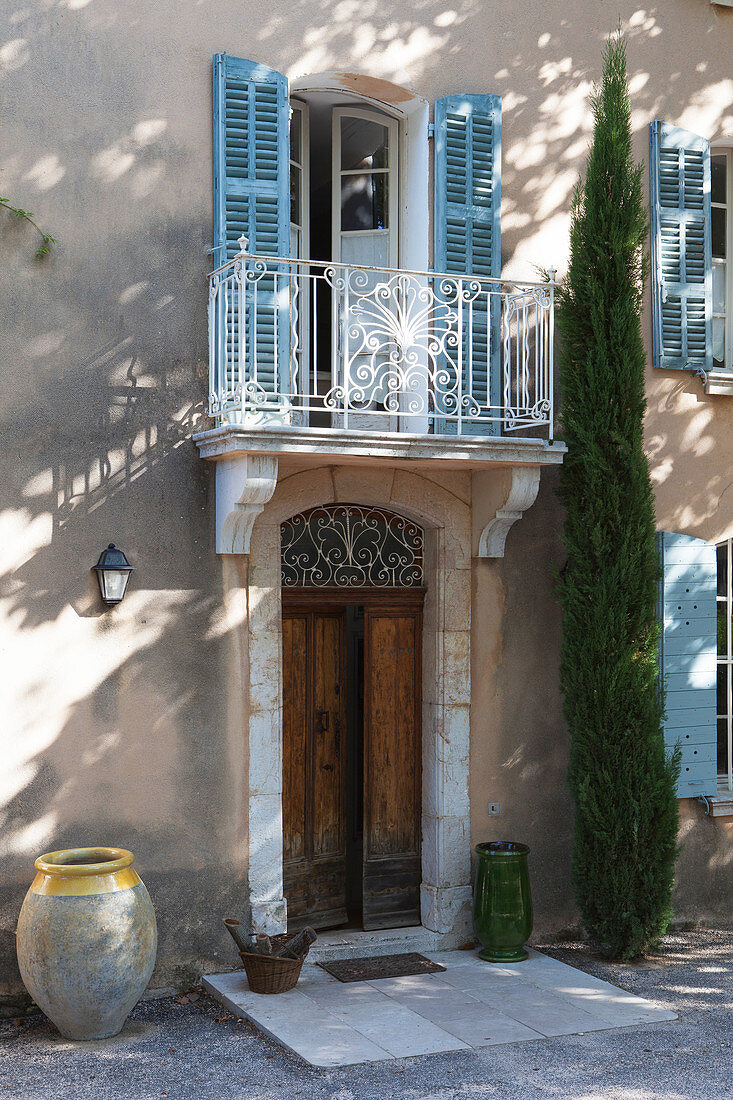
(244, 484)
(523, 489)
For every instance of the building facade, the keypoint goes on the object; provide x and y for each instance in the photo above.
(333, 461)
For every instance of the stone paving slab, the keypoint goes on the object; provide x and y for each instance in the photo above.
(472, 1004)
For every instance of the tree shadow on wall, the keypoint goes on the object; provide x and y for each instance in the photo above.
(119, 735)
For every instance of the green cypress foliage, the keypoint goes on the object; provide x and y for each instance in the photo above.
(623, 783)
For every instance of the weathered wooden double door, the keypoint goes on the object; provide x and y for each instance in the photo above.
(352, 753)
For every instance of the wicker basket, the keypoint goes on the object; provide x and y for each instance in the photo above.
(269, 974)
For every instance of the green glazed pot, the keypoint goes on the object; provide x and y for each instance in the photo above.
(502, 903)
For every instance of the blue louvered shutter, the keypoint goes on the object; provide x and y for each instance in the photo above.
(468, 234)
(688, 657)
(251, 185)
(682, 267)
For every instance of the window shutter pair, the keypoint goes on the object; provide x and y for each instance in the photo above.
(682, 266)
(251, 188)
(688, 657)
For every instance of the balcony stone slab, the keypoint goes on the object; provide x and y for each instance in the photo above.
(347, 447)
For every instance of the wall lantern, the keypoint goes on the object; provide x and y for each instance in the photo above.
(113, 573)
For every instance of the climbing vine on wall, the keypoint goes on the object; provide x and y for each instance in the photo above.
(46, 239)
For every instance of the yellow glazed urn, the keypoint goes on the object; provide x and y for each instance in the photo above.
(86, 940)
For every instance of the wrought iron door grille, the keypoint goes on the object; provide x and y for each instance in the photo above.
(351, 546)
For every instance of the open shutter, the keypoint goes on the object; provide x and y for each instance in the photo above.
(467, 236)
(682, 284)
(689, 657)
(251, 184)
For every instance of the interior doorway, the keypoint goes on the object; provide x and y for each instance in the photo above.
(352, 746)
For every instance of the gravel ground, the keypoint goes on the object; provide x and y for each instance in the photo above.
(187, 1048)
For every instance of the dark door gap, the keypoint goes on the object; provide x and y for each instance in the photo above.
(354, 761)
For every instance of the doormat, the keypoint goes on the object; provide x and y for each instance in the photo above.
(373, 967)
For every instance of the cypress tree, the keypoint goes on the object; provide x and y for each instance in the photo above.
(622, 780)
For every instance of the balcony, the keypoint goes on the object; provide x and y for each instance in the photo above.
(312, 361)
(323, 345)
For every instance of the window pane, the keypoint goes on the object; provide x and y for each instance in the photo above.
(722, 569)
(722, 746)
(295, 195)
(718, 179)
(722, 690)
(719, 271)
(719, 341)
(722, 632)
(363, 144)
(364, 201)
(718, 231)
(366, 250)
(295, 126)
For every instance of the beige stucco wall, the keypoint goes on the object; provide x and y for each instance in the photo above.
(117, 727)
(518, 738)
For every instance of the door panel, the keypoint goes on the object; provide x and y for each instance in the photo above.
(295, 631)
(314, 846)
(328, 811)
(392, 768)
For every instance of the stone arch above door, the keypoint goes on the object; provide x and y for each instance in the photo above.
(445, 517)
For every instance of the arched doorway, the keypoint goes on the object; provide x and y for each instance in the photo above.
(352, 597)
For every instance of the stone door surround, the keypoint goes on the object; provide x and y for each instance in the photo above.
(446, 520)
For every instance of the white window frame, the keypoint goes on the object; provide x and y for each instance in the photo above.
(725, 777)
(301, 328)
(391, 171)
(727, 206)
(303, 230)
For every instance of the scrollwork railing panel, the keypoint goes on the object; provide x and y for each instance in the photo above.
(303, 342)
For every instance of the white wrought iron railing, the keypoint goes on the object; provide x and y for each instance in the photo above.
(310, 343)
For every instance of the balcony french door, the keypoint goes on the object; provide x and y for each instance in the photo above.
(364, 203)
(364, 234)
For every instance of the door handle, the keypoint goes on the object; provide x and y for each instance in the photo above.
(323, 720)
